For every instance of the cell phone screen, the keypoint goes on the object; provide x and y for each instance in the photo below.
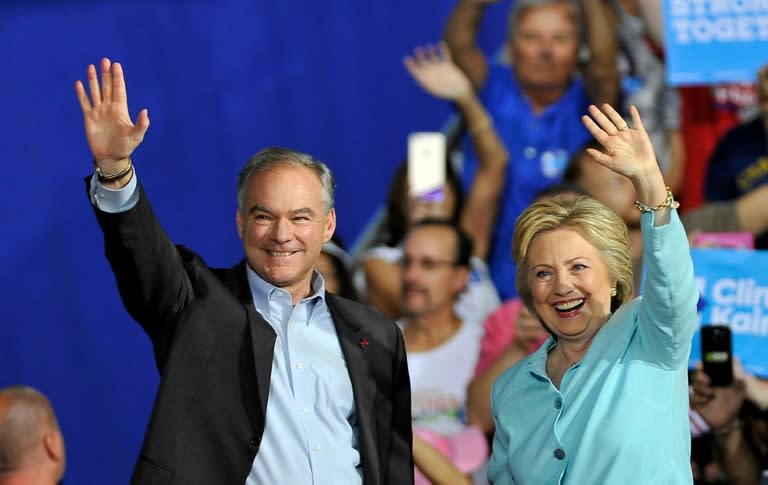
(426, 164)
(717, 354)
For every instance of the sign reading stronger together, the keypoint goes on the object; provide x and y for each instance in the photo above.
(715, 41)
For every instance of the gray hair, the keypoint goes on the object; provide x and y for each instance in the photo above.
(273, 157)
(522, 6)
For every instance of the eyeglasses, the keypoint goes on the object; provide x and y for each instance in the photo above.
(426, 264)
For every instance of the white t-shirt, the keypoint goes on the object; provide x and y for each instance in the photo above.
(478, 300)
(439, 380)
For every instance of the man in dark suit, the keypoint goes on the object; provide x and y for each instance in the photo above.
(265, 377)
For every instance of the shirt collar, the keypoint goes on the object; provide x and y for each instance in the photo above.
(261, 290)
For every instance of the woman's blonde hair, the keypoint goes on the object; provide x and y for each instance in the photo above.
(593, 221)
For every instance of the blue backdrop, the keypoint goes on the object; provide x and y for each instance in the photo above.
(221, 79)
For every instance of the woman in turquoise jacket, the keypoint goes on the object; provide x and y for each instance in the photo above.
(605, 398)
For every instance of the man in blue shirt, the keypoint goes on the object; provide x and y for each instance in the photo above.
(262, 339)
(535, 97)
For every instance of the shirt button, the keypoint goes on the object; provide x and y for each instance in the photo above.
(299, 365)
(559, 454)
(305, 409)
(317, 448)
(558, 403)
(253, 441)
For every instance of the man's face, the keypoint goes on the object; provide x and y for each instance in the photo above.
(544, 47)
(431, 279)
(283, 225)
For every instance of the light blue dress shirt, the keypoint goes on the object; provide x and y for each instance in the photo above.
(310, 435)
(621, 414)
(311, 432)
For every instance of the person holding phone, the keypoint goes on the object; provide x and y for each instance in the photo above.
(379, 275)
(737, 415)
(605, 398)
(535, 90)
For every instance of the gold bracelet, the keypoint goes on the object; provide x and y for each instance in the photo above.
(668, 202)
(106, 177)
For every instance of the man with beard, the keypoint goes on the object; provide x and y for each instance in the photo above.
(441, 347)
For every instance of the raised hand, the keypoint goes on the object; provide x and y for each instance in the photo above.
(718, 406)
(432, 67)
(111, 134)
(628, 151)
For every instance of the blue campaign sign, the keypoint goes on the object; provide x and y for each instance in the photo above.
(715, 41)
(733, 290)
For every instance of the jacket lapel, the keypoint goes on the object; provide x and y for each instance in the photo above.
(354, 339)
(262, 339)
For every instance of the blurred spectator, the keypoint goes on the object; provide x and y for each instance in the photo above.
(745, 214)
(433, 69)
(335, 264)
(739, 162)
(535, 96)
(31, 444)
(643, 84)
(441, 346)
(511, 333)
(739, 424)
(707, 113)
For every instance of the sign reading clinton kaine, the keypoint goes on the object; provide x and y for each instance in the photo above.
(714, 41)
(733, 290)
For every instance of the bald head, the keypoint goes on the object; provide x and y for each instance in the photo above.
(30, 440)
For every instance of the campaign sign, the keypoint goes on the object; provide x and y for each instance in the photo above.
(715, 41)
(733, 291)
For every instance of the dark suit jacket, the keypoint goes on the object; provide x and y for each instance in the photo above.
(214, 354)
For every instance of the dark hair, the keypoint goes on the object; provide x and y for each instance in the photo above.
(463, 242)
(335, 250)
(573, 170)
(397, 219)
(560, 188)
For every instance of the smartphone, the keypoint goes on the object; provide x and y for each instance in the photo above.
(426, 164)
(717, 354)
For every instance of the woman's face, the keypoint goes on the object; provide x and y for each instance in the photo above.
(570, 285)
(438, 207)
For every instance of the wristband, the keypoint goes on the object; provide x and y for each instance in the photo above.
(106, 177)
(668, 202)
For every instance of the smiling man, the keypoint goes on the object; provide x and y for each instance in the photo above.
(265, 376)
(442, 347)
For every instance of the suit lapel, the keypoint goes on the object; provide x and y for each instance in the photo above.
(262, 337)
(354, 339)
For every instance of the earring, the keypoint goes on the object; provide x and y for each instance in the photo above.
(613, 291)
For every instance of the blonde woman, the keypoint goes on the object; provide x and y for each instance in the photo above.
(605, 398)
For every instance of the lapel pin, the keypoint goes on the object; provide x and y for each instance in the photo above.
(363, 343)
